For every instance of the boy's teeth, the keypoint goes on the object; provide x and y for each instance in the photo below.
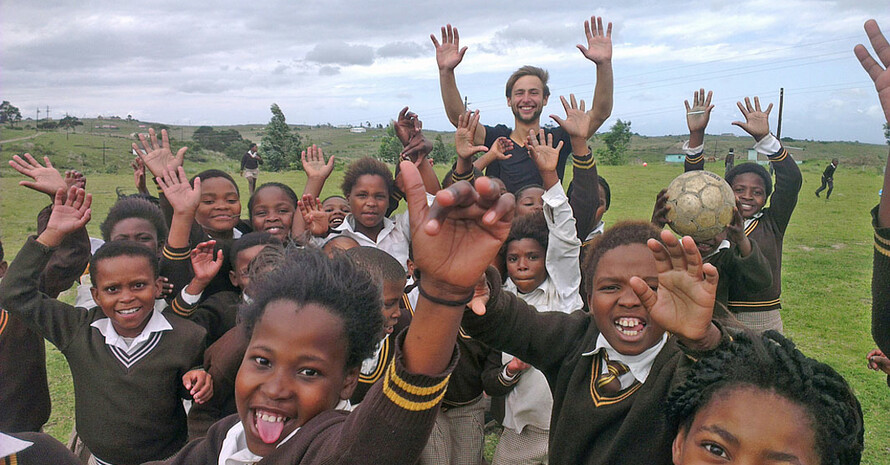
(128, 312)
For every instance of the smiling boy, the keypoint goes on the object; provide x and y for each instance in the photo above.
(130, 364)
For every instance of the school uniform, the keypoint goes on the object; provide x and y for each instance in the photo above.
(24, 392)
(374, 367)
(587, 426)
(128, 406)
(827, 180)
(880, 287)
(528, 405)
(391, 426)
(759, 310)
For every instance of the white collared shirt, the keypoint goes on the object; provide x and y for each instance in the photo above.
(234, 449)
(640, 365)
(156, 324)
(10, 445)
(724, 244)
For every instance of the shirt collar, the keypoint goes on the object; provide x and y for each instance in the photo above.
(156, 323)
(10, 445)
(724, 244)
(751, 220)
(639, 365)
(349, 225)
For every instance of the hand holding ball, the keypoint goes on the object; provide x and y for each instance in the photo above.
(701, 204)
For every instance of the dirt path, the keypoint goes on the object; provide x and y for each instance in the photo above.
(20, 138)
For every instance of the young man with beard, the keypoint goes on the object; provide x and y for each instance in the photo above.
(527, 94)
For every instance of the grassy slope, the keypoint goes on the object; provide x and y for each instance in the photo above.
(827, 258)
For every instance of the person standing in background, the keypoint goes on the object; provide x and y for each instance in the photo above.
(250, 166)
(729, 161)
(828, 178)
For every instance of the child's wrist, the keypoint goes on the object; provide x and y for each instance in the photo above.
(50, 237)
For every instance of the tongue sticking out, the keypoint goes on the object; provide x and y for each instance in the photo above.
(269, 431)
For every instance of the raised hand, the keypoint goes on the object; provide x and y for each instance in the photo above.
(71, 211)
(448, 53)
(407, 126)
(139, 175)
(316, 219)
(878, 74)
(541, 150)
(698, 115)
(205, 263)
(455, 238)
(756, 121)
(466, 134)
(599, 41)
(176, 188)
(199, 384)
(75, 178)
(659, 213)
(577, 120)
(46, 179)
(314, 164)
(157, 155)
(516, 366)
(684, 302)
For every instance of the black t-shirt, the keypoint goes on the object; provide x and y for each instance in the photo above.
(520, 170)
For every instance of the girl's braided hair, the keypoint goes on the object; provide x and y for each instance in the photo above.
(772, 363)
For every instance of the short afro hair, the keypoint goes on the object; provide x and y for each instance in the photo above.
(116, 249)
(770, 362)
(531, 226)
(606, 190)
(214, 173)
(337, 284)
(751, 168)
(378, 262)
(249, 240)
(288, 192)
(134, 207)
(622, 233)
(363, 166)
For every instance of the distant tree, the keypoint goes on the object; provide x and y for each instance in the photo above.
(390, 146)
(47, 125)
(887, 132)
(237, 149)
(442, 153)
(70, 122)
(9, 113)
(280, 145)
(203, 135)
(129, 117)
(616, 140)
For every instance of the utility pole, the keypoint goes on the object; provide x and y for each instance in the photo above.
(46, 115)
(781, 104)
(37, 123)
(466, 104)
(103, 152)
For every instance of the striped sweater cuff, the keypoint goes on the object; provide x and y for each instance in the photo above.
(584, 162)
(695, 159)
(182, 308)
(177, 253)
(778, 156)
(468, 176)
(414, 392)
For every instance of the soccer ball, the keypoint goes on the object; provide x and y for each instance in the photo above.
(701, 204)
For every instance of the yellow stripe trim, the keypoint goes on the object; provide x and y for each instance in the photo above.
(600, 400)
(765, 303)
(4, 318)
(751, 227)
(878, 248)
(401, 401)
(381, 365)
(176, 255)
(584, 164)
(179, 310)
(407, 303)
(693, 159)
(778, 157)
(882, 240)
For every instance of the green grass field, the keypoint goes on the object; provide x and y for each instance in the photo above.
(827, 255)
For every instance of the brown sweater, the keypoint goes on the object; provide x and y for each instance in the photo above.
(125, 414)
(586, 427)
(390, 427)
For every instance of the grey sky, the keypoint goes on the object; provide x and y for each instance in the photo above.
(351, 61)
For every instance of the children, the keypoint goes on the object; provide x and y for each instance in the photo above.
(752, 185)
(541, 255)
(337, 207)
(384, 268)
(272, 209)
(217, 313)
(120, 351)
(828, 179)
(759, 400)
(310, 333)
(651, 305)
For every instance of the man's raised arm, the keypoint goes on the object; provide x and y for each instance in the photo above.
(448, 55)
(599, 51)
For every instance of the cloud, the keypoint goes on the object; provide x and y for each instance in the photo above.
(402, 49)
(328, 71)
(341, 53)
(360, 103)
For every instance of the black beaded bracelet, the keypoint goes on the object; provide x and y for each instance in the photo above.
(449, 303)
